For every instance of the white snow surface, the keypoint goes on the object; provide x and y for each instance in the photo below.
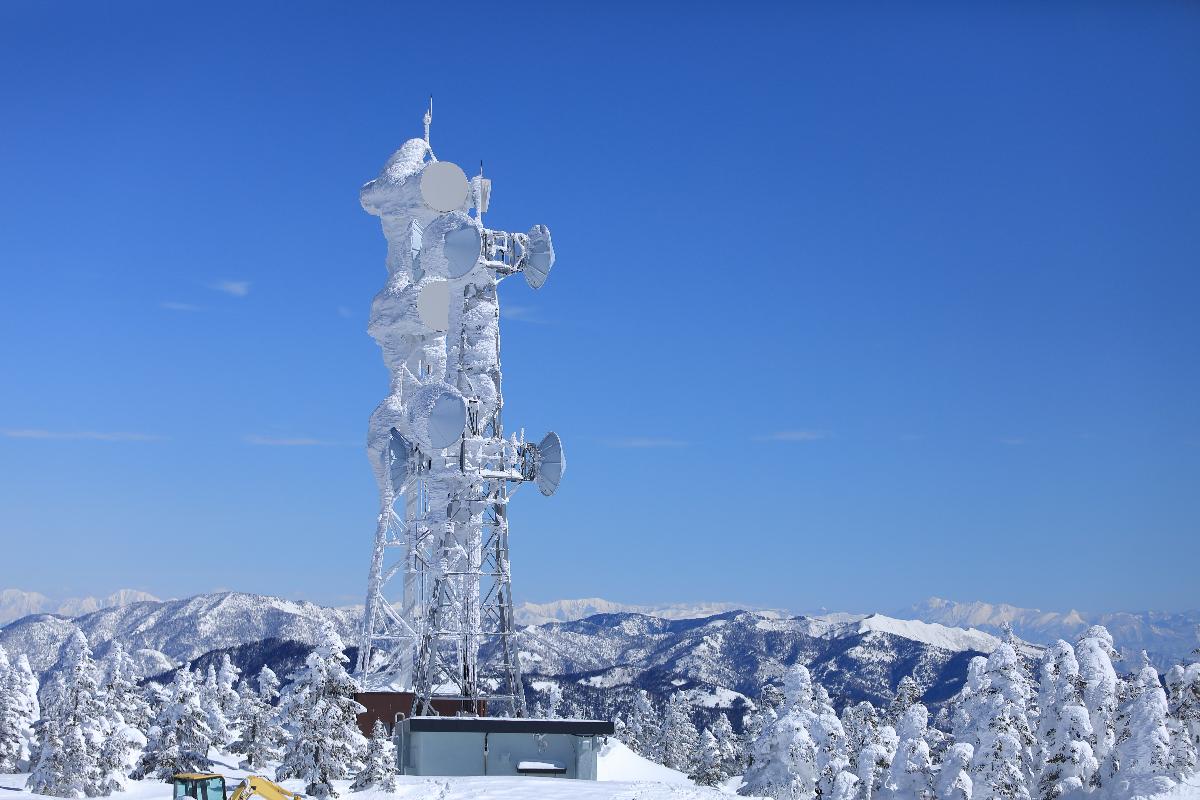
(15, 603)
(623, 775)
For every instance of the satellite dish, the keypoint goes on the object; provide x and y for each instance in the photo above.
(538, 256)
(433, 305)
(444, 186)
(447, 420)
(551, 463)
(461, 249)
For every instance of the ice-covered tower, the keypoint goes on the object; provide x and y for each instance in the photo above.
(439, 588)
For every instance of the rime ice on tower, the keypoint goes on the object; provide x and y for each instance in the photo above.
(439, 588)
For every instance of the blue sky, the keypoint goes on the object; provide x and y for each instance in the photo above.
(855, 304)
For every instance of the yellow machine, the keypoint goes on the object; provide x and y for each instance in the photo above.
(211, 786)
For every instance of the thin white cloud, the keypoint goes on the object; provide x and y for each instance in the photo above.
(518, 313)
(645, 442)
(287, 441)
(171, 305)
(794, 436)
(344, 312)
(95, 436)
(234, 288)
(1013, 441)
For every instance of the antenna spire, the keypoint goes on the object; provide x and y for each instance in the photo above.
(428, 119)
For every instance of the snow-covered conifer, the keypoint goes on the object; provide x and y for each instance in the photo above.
(788, 761)
(642, 727)
(268, 685)
(728, 745)
(1183, 704)
(550, 703)
(874, 762)
(911, 774)
(1002, 763)
(1143, 742)
(260, 734)
(1066, 760)
(179, 738)
(954, 774)
(969, 707)
(845, 787)
(1094, 651)
(861, 724)
(11, 723)
(74, 723)
(678, 738)
(227, 696)
(709, 770)
(907, 693)
(320, 709)
(121, 691)
(379, 767)
(213, 703)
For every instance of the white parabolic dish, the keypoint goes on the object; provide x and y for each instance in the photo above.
(551, 463)
(433, 305)
(444, 186)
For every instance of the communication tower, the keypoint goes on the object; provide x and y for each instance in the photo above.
(440, 587)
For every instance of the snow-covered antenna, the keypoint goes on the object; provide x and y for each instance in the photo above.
(444, 467)
(428, 120)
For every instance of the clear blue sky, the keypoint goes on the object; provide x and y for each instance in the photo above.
(854, 304)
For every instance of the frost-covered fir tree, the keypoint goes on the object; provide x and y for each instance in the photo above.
(549, 704)
(911, 774)
(1143, 743)
(379, 767)
(227, 696)
(845, 787)
(1094, 651)
(179, 738)
(1065, 736)
(22, 688)
(954, 774)
(642, 727)
(907, 693)
(969, 708)
(1002, 765)
(12, 722)
(268, 685)
(122, 694)
(678, 738)
(213, 703)
(861, 723)
(112, 764)
(74, 722)
(710, 769)
(325, 743)
(801, 751)
(260, 734)
(874, 762)
(728, 745)
(1183, 705)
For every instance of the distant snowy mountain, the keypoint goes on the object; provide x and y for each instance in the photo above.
(1169, 637)
(176, 630)
(15, 603)
(570, 610)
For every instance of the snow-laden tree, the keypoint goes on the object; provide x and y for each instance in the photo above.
(802, 750)
(379, 767)
(845, 787)
(179, 738)
(1094, 651)
(73, 725)
(122, 694)
(874, 762)
(319, 706)
(1183, 704)
(212, 702)
(23, 686)
(911, 774)
(11, 723)
(1002, 765)
(710, 769)
(268, 685)
(954, 775)
(861, 723)
(260, 733)
(728, 745)
(1066, 761)
(642, 727)
(678, 738)
(1143, 742)
(970, 709)
(227, 696)
(549, 704)
(908, 692)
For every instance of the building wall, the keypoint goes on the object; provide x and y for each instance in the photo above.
(463, 753)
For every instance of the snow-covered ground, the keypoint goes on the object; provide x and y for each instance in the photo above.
(624, 775)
